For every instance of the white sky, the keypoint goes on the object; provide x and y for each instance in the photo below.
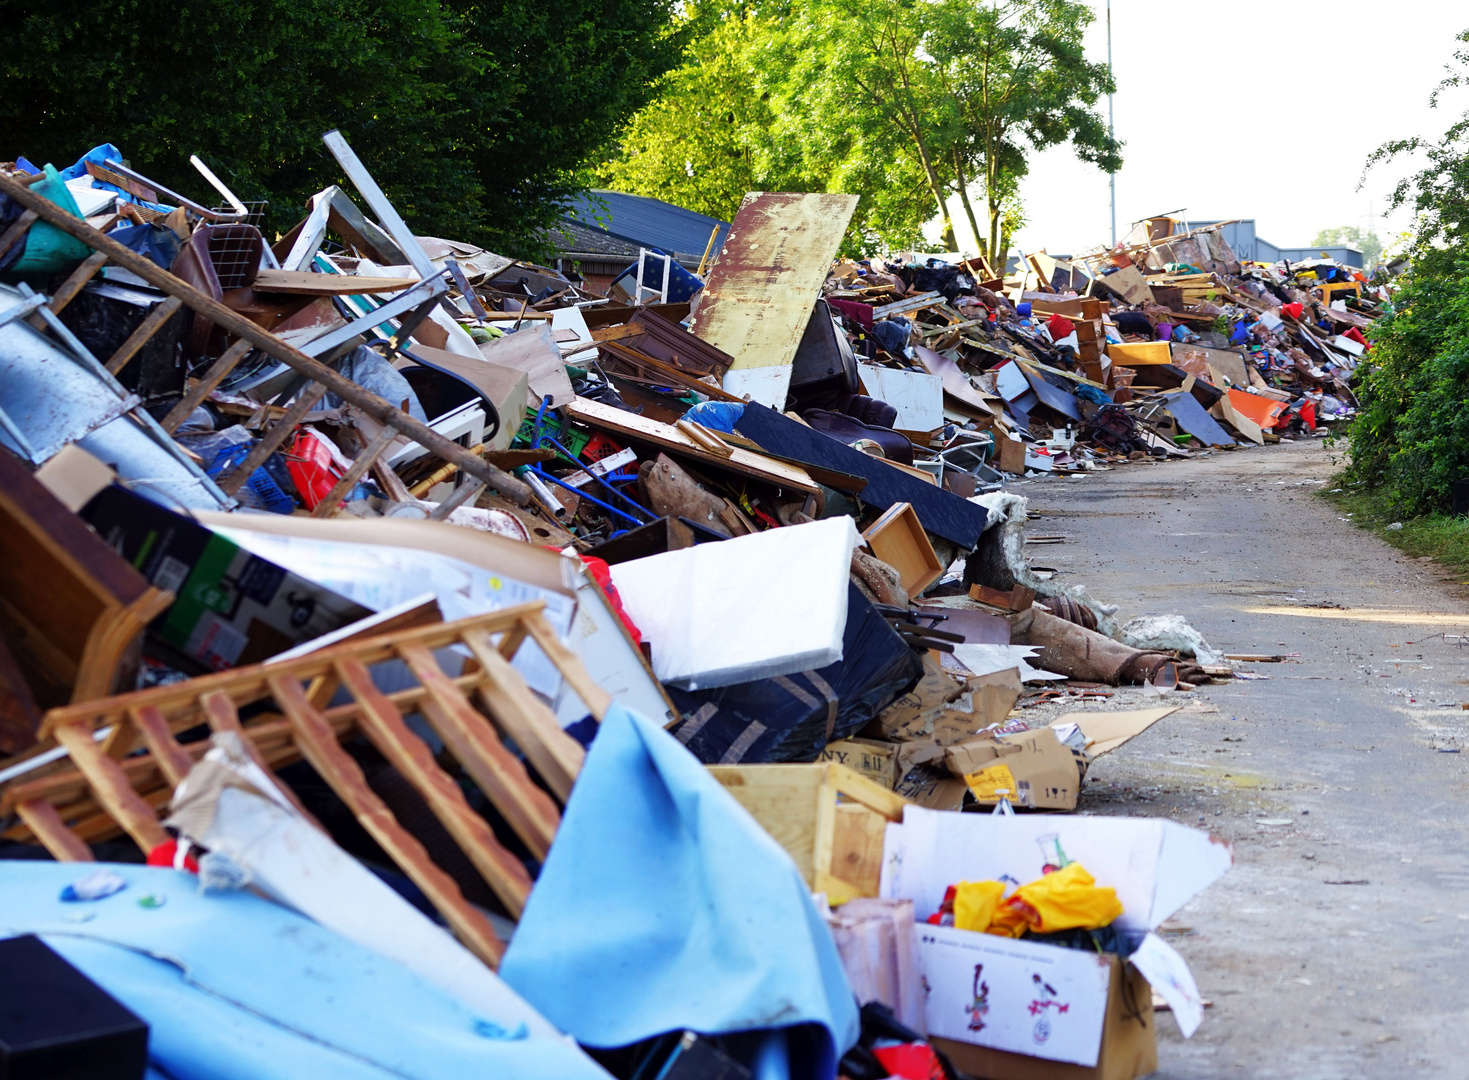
(1263, 109)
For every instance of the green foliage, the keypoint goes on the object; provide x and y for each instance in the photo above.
(1351, 236)
(474, 118)
(1411, 440)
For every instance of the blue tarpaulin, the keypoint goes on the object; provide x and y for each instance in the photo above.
(235, 987)
(663, 906)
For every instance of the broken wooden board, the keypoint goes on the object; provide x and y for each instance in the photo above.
(309, 283)
(667, 437)
(767, 277)
(898, 539)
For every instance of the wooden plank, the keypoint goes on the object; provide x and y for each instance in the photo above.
(911, 303)
(856, 852)
(898, 539)
(765, 283)
(498, 773)
(783, 799)
(220, 713)
(555, 755)
(665, 436)
(596, 699)
(146, 329)
(319, 745)
(310, 283)
(67, 291)
(152, 725)
(47, 827)
(233, 322)
(365, 459)
(110, 786)
(202, 387)
(18, 228)
(384, 726)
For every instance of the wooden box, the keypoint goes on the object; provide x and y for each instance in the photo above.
(827, 817)
(898, 539)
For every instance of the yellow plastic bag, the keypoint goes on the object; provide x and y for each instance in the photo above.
(975, 903)
(1068, 899)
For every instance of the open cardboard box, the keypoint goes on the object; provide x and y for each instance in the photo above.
(1006, 996)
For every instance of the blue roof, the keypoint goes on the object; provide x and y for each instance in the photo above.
(647, 222)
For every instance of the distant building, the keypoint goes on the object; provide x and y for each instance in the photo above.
(1252, 248)
(600, 235)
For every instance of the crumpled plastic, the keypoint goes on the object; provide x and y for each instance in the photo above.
(1067, 899)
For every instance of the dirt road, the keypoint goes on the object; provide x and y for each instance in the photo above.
(1334, 948)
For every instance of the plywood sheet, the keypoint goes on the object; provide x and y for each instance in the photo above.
(765, 282)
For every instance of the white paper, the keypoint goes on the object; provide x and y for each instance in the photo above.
(1168, 974)
(987, 659)
(1018, 996)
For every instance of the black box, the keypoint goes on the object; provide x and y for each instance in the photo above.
(57, 1024)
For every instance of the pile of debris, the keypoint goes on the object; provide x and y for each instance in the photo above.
(416, 587)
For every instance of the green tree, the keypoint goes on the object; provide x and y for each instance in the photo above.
(1411, 438)
(1019, 76)
(474, 119)
(1351, 236)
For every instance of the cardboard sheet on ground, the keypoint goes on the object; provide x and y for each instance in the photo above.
(753, 607)
(664, 906)
(956, 384)
(941, 512)
(388, 561)
(765, 280)
(235, 987)
(1106, 731)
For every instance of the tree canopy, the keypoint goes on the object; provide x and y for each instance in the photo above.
(1363, 240)
(476, 118)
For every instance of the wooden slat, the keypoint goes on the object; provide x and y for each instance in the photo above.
(384, 726)
(572, 669)
(525, 719)
(498, 773)
(17, 229)
(205, 385)
(146, 329)
(222, 715)
(234, 323)
(152, 725)
(67, 291)
(110, 785)
(272, 439)
(365, 460)
(46, 824)
(310, 283)
(319, 744)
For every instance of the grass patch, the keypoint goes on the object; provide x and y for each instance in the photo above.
(1444, 537)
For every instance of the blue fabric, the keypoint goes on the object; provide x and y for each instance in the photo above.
(153, 241)
(663, 906)
(98, 155)
(717, 415)
(234, 987)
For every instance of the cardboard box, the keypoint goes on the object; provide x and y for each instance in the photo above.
(232, 608)
(1140, 354)
(1127, 1047)
(878, 761)
(1033, 769)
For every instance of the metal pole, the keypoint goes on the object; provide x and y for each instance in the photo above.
(1110, 131)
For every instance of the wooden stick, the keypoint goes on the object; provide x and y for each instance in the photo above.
(69, 288)
(17, 229)
(152, 725)
(146, 329)
(355, 472)
(235, 323)
(110, 785)
(596, 699)
(278, 433)
(43, 820)
(222, 715)
(205, 385)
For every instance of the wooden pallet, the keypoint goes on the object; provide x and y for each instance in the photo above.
(125, 758)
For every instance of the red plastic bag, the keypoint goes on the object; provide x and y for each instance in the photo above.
(910, 1061)
(603, 577)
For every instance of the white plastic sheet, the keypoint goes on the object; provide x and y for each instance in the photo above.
(753, 607)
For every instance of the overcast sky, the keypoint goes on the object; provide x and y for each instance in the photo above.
(1263, 109)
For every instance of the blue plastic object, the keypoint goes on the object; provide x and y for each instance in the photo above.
(663, 906)
(717, 415)
(263, 492)
(235, 987)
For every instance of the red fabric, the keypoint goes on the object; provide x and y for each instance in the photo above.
(1308, 415)
(910, 1061)
(165, 853)
(858, 313)
(1294, 311)
(1059, 326)
(603, 577)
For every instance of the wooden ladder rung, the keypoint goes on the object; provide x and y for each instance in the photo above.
(272, 439)
(145, 331)
(202, 387)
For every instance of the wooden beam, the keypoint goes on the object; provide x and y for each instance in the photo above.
(272, 439)
(152, 725)
(310, 283)
(596, 699)
(110, 785)
(46, 824)
(365, 459)
(140, 337)
(235, 323)
(205, 385)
